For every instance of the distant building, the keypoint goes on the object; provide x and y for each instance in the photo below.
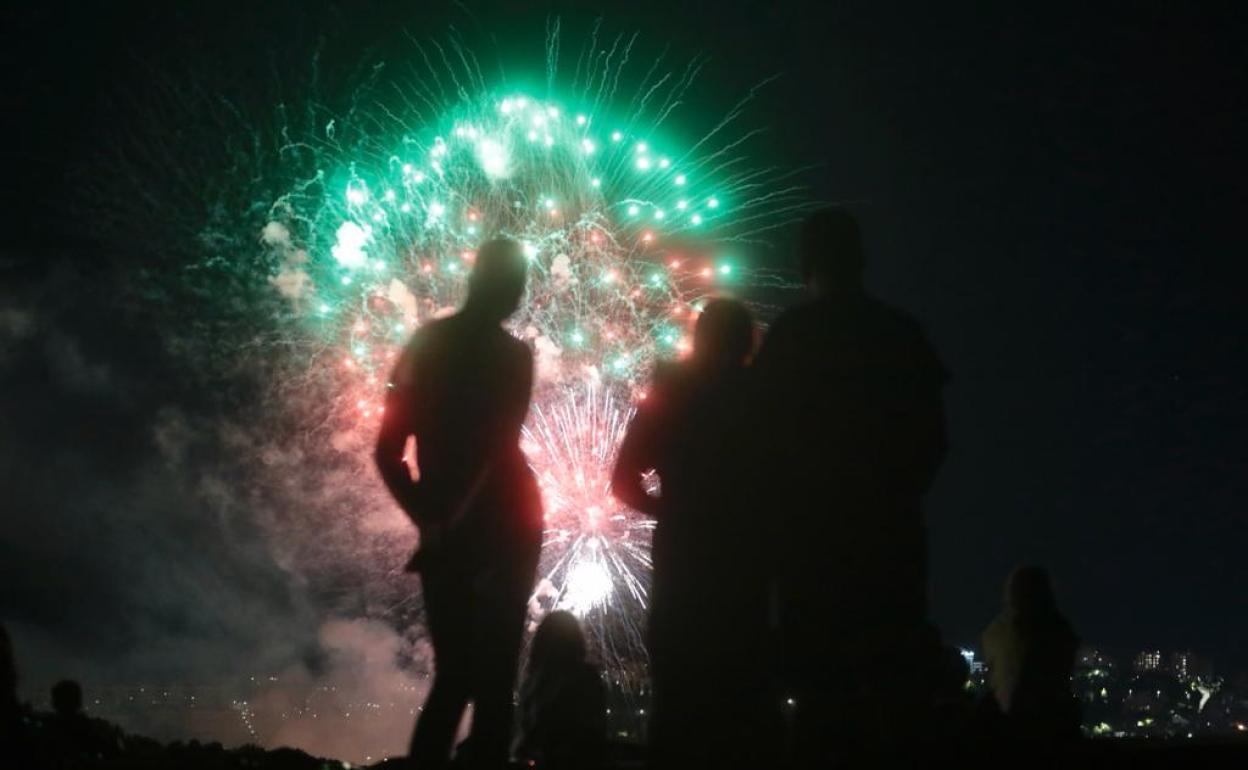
(974, 665)
(1094, 658)
(1148, 660)
(1186, 666)
(1181, 665)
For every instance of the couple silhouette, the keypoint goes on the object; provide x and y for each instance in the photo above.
(789, 549)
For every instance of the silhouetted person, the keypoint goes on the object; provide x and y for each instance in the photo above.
(850, 434)
(67, 699)
(10, 711)
(1030, 651)
(462, 389)
(563, 721)
(707, 628)
(76, 735)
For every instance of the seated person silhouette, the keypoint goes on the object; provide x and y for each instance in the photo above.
(76, 735)
(461, 390)
(1030, 651)
(707, 635)
(850, 431)
(563, 722)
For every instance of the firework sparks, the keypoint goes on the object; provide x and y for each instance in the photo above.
(626, 237)
(598, 551)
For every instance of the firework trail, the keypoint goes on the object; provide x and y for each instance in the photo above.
(627, 234)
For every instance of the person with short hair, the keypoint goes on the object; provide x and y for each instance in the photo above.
(76, 736)
(850, 433)
(461, 389)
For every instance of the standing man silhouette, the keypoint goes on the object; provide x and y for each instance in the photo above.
(852, 432)
(461, 389)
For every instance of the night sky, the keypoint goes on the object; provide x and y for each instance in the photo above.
(1057, 194)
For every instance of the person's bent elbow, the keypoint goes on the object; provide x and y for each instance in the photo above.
(621, 487)
(627, 488)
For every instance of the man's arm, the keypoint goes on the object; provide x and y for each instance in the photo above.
(773, 416)
(636, 456)
(937, 440)
(927, 432)
(522, 390)
(396, 426)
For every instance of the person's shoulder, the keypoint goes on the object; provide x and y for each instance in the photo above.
(794, 317)
(667, 373)
(590, 675)
(591, 669)
(786, 332)
(417, 352)
(903, 332)
(437, 327)
(1063, 631)
(667, 382)
(904, 324)
(423, 337)
(517, 349)
(516, 345)
(996, 632)
(427, 332)
(514, 355)
(903, 320)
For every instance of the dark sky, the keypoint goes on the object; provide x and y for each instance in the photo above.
(1057, 193)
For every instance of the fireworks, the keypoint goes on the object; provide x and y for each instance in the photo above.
(626, 233)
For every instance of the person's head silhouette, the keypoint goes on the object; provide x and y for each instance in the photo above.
(1029, 592)
(831, 251)
(497, 281)
(724, 334)
(558, 643)
(67, 698)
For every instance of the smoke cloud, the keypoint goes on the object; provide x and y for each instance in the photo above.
(359, 706)
(158, 537)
